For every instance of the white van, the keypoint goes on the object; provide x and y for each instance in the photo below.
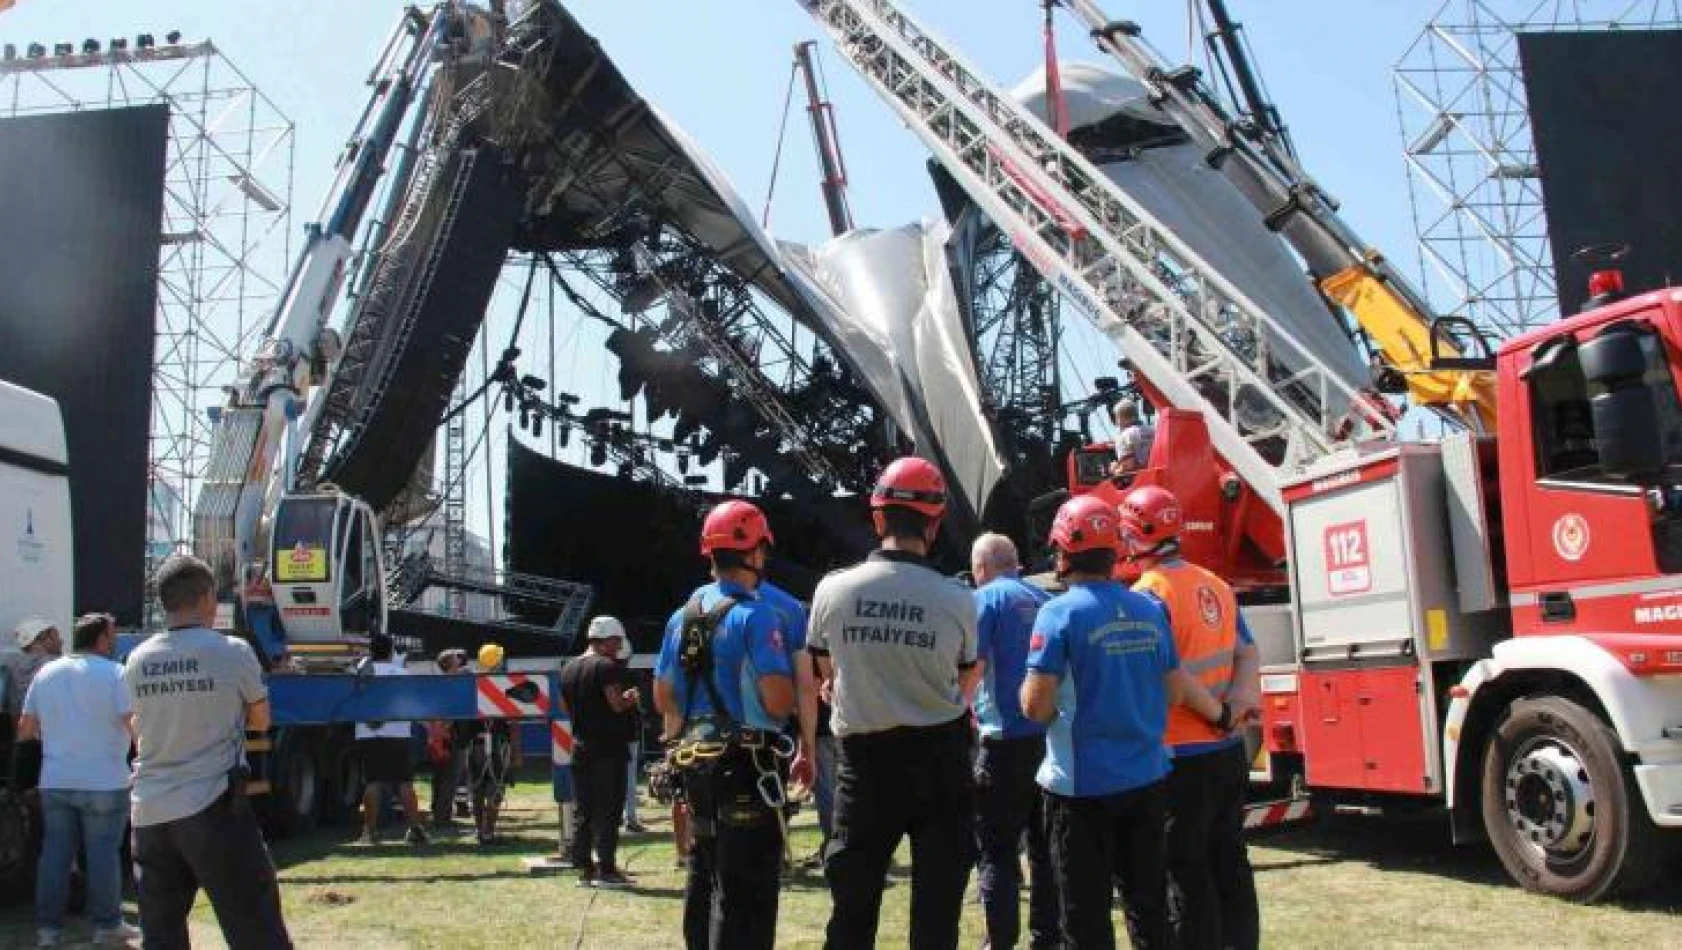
(36, 566)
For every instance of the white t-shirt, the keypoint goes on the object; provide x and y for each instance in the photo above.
(396, 729)
(81, 702)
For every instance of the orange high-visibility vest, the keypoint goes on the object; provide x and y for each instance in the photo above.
(1204, 615)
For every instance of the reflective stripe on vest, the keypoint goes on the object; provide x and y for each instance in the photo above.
(1204, 615)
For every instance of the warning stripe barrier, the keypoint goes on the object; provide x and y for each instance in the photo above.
(1273, 814)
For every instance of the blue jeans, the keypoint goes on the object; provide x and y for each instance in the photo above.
(823, 784)
(72, 821)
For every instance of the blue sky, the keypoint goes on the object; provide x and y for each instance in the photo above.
(719, 68)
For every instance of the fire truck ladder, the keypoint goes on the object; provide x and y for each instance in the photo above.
(1183, 327)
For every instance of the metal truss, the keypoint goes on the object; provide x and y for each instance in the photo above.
(226, 233)
(1473, 180)
(694, 303)
(1270, 404)
(1015, 326)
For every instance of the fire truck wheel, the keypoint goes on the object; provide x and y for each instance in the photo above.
(1560, 807)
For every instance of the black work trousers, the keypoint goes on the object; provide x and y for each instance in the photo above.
(221, 850)
(1102, 839)
(598, 789)
(446, 779)
(736, 860)
(1008, 816)
(1207, 860)
(914, 782)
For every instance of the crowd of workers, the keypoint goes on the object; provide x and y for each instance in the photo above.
(1093, 731)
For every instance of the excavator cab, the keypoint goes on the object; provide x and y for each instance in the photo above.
(327, 572)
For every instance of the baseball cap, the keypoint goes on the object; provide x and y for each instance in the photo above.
(605, 628)
(30, 629)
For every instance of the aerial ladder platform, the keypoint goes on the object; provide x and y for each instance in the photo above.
(1186, 331)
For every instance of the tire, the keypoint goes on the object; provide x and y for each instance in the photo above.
(343, 800)
(1561, 808)
(296, 788)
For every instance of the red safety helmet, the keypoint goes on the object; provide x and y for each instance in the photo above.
(735, 526)
(1150, 516)
(912, 483)
(1085, 523)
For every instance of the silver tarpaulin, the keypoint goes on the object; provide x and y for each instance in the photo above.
(886, 299)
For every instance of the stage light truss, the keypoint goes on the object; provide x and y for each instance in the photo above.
(669, 285)
(1473, 180)
(226, 233)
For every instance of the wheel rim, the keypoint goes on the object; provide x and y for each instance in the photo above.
(1549, 799)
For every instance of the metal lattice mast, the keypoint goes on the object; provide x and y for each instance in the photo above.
(225, 232)
(1473, 179)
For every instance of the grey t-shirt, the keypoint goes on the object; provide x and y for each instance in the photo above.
(897, 632)
(190, 688)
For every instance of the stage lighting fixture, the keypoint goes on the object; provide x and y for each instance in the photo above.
(598, 454)
(144, 41)
(172, 37)
(696, 481)
(625, 470)
(537, 425)
(90, 47)
(119, 44)
(64, 49)
(36, 51)
(683, 463)
(11, 51)
(566, 435)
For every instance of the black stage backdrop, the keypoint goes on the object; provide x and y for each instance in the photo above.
(1603, 112)
(639, 544)
(81, 204)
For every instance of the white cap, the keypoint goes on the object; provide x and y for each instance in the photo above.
(30, 629)
(605, 628)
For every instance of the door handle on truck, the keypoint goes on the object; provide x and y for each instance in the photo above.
(1557, 607)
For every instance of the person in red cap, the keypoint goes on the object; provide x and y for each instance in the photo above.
(1102, 672)
(895, 644)
(725, 689)
(1206, 856)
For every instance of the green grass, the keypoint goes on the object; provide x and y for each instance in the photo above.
(1348, 883)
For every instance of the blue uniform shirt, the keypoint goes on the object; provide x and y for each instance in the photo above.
(747, 645)
(1005, 609)
(1111, 648)
(789, 610)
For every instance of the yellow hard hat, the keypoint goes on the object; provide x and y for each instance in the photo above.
(490, 656)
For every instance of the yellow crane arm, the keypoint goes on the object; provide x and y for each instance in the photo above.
(1403, 336)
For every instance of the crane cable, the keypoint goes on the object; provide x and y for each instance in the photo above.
(777, 156)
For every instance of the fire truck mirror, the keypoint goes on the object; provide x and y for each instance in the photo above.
(1626, 414)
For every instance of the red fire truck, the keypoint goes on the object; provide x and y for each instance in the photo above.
(1489, 623)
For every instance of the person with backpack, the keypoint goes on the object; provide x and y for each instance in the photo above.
(725, 689)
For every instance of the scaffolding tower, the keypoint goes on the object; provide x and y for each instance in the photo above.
(225, 233)
(1473, 179)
